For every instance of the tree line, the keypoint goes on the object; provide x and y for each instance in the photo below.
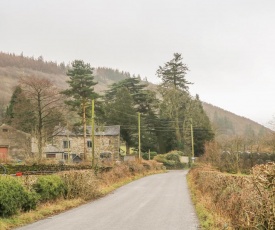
(39, 64)
(37, 106)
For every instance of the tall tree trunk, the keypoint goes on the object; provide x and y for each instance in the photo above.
(161, 143)
(40, 127)
(177, 125)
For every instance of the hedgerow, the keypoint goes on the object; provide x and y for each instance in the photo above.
(49, 187)
(80, 184)
(24, 193)
(242, 202)
(14, 197)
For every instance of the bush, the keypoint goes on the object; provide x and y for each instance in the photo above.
(30, 200)
(49, 187)
(145, 156)
(14, 198)
(80, 184)
(170, 160)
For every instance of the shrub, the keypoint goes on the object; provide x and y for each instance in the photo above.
(30, 200)
(14, 198)
(49, 187)
(80, 184)
(170, 160)
(145, 156)
(153, 165)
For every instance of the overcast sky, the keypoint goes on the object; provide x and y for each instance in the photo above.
(228, 45)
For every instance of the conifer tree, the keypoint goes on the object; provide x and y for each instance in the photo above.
(121, 111)
(81, 92)
(173, 73)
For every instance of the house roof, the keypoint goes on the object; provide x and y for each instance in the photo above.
(5, 126)
(112, 130)
(51, 149)
(62, 131)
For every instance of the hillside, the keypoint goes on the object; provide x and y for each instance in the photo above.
(12, 67)
(230, 124)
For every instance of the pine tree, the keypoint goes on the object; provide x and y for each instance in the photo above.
(173, 73)
(20, 112)
(81, 92)
(10, 109)
(121, 111)
(144, 102)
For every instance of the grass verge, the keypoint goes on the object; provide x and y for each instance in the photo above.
(51, 208)
(207, 219)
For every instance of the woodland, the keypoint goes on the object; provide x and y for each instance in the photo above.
(37, 105)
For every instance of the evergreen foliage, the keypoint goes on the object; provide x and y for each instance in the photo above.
(143, 101)
(81, 86)
(49, 187)
(121, 111)
(20, 112)
(14, 197)
(81, 92)
(104, 74)
(173, 73)
(178, 107)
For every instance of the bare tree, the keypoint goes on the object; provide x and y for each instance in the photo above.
(47, 104)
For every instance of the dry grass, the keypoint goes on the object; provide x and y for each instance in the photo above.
(83, 186)
(237, 202)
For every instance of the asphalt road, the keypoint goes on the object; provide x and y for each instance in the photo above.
(157, 202)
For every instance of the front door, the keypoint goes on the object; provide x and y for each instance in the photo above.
(3, 153)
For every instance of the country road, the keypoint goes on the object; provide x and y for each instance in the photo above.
(157, 202)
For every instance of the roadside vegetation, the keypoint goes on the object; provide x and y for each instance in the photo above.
(226, 201)
(30, 198)
(234, 190)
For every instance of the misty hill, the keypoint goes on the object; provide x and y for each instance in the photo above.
(12, 67)
(229, 124)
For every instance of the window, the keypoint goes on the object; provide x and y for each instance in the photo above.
(65, 156)
(66, 144)
(5, 130)
(50, 155)
(89, 144)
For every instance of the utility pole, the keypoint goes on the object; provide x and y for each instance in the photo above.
(139, 142)
(69, 144)
(192, 139)
(93, 133)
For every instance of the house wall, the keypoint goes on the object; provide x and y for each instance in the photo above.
(102, 144)
(17, 143)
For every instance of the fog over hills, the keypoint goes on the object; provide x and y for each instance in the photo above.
(12, 67)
